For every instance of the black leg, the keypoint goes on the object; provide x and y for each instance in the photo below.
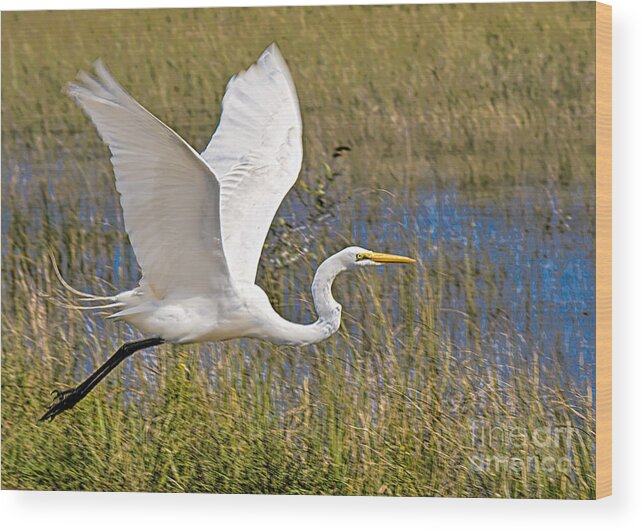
(67, 399)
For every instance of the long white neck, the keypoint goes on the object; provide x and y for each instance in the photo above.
(329, 311)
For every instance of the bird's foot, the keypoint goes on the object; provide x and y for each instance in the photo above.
(63, 400)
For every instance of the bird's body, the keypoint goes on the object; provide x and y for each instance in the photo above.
(197, 222)
(241, 311)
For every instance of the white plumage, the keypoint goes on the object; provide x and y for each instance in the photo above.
(197, 223)
(256, 153)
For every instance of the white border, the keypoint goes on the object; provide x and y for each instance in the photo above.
(27, 510)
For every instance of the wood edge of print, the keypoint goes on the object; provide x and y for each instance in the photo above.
(603, 250)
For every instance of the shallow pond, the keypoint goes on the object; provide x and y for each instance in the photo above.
(513, 262)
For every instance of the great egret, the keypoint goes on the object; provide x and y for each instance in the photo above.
(197, 223)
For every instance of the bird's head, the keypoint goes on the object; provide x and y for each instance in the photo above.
(353, 257)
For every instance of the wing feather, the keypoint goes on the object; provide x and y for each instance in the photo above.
(256, 152)
(169, 194)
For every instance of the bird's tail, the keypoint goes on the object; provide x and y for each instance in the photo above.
(81, 296)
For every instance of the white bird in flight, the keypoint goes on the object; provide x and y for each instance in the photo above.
(197, 223)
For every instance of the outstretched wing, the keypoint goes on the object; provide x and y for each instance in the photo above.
(169, 195)
(256, 152)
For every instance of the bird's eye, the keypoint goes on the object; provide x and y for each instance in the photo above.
(360, 256)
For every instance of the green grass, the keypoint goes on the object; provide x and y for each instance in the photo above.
(478, 93)
(482, 98)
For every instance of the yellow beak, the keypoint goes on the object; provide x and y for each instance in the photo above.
(382, 258)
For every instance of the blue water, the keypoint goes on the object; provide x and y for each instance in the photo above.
(530, 251)
(534, 267)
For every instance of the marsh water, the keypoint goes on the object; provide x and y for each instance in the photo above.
(512, 263)
(527, 251)
(538, 252)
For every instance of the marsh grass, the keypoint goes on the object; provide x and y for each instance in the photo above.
(428, 389)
